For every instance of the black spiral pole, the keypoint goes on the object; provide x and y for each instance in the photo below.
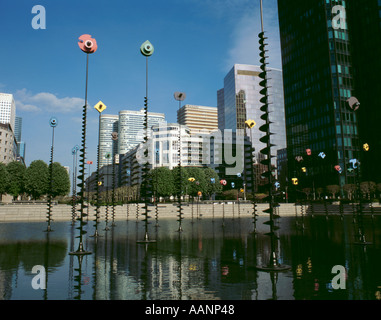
(53, 124)
(74, 152)
(147, 50)
(251, 124)
(115, 160)
(100, 107)
(273, 264)
(87, 45)
(180, 96)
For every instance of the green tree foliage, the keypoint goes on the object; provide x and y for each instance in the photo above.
(349, 189)
(199, 184)
(4, 179)
(184, 180)
(60, 181)
(16, 171)
(162, 181)
(37, 179)
(215, 187)
(333, 189)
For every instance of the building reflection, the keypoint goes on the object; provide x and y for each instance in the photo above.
(205, 262)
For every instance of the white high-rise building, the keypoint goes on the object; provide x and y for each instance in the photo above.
(108, 125)
(131, 128)
(7, 109)
(129, 125)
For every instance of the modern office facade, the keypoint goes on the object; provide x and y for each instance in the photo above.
(198, 118)
(129, 125)
(18, 136)
(364, 26)
(241, 102)
(321, 71)
(220, 109)
(163, 151)
(8, 144)
(7, 109)
(131, 128)
(108, 147)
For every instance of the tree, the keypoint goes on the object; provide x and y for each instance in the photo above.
(333, 189)
(37, 179)
(350, 190)
(319, 191)
(185, 184)
(368, 187)
(162, 181)
(307, 191)
(60, 180)
(215, 187)
(16, 171)
(4, 178)
(199, 184)
(378, 186)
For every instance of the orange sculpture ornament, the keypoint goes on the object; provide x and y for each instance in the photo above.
(87, 44)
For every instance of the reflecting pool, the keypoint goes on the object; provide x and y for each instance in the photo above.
(209, 260)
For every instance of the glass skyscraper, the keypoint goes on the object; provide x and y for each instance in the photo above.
(326, 60)
(240, 102)
(108, 125)
(7, 109)
(129, 125)
(131, 128)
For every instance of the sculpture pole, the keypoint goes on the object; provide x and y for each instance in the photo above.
(53, 123)
(87, 45)
(146, 50)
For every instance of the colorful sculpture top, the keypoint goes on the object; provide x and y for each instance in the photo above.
(87, 44)
(53, 122)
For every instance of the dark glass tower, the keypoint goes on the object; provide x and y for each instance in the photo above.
(364, 23)
(323, 66)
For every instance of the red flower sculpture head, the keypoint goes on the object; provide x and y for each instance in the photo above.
(87, 44)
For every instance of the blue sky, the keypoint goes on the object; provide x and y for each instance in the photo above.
(196, 43)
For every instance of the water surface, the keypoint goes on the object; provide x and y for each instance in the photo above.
(208, 260)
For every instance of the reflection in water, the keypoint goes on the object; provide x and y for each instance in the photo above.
(205, 261)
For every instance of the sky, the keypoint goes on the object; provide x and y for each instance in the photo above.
(196, 43)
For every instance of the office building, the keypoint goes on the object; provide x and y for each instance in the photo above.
(327, 60)
(220, 109)
(198, 118)
(131, 128)
(240, 102)
(108, 147)
(8, 144)
(18, 135)
(163, 146)
(129, 125)
(7, 109)
(364, 27)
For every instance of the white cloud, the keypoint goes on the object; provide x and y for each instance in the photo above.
(45, 101)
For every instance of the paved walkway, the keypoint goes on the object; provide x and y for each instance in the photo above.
(38, 212)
